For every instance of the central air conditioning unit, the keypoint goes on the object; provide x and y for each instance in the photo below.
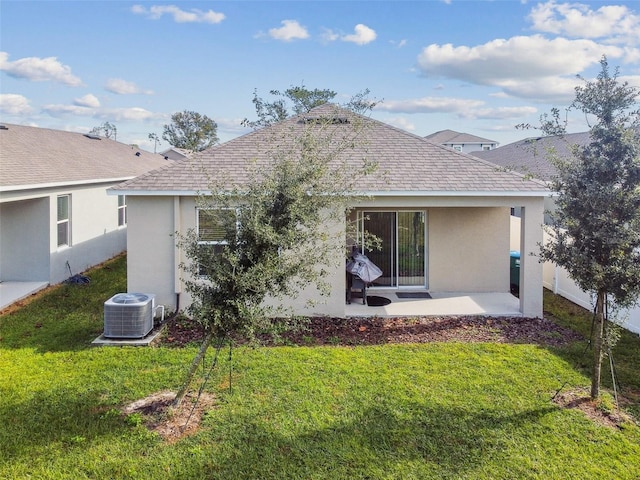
(129, 315)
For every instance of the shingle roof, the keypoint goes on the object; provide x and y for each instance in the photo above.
(31, 156)
(531, 155)
(406, 162)
(451, 136)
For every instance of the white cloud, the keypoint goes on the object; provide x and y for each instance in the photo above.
(58, 110)
(329, 35)
(616, 23)
(127, 114)
(123, 87)
(461, 107)
(179, 16)
(545, 89)
(429, 105)
(290, 30)
(497, 113)
(401, 122)
(531, 67)
(518, 58)
(399, 43)
(13, 104)
(112, 115)
(361, 36)
(39, 70)
(88, 100)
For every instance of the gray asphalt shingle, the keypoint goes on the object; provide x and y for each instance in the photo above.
(38, 156)
(406, 162)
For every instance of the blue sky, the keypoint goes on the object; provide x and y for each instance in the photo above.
(479, 67)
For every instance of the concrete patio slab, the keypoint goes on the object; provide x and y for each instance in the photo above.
(150, 339)
(454, 304)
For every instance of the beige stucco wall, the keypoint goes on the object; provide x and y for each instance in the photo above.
(151, 247)
(468, 244)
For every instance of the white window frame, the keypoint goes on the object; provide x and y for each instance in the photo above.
(63, 222)
(122, 210)
(211, 242)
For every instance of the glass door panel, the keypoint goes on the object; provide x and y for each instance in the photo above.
(382, 225)
(411, 249)
(402, 258)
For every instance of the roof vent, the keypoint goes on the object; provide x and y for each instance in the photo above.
(92, 136)
(4, 127)
(137, 154)
(325, 120)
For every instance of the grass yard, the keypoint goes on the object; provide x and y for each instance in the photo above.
(405, 411)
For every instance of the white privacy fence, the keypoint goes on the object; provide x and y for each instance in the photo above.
(557, 280)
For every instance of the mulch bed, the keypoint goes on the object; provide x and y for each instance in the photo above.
(379, 331)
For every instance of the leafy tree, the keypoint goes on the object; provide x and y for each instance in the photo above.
(597, 222)
(296, 100)
(191, 131)
(268, 236)
(107, 130)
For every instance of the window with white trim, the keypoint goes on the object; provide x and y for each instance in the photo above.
(64, 220)
(212, 232)
(122, 210)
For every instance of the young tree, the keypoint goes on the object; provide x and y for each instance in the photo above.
(191, 131)
(298, 100)
(267, 238)
(107, 130)
(597, 222)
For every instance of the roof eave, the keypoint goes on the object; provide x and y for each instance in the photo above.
(42, 186)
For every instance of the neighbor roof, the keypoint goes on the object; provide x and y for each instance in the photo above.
(447, 137)
(407, 163)
(33, 157)
(531, 156)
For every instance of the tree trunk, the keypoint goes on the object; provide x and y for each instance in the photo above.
(598, 334)
(192, 371)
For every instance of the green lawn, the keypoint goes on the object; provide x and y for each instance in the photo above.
(440, 410)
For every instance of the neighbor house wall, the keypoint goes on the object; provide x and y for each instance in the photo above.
(29, 225)
(24, 240)
(95, 234)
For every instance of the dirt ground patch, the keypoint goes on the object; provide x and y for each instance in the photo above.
(595, 410)
(171, 423)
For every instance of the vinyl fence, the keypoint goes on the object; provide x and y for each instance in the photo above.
(557, 280)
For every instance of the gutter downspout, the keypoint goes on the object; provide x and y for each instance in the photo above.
(177, 222)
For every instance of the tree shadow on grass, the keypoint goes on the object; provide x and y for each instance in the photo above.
(54, 417)
(440, 440)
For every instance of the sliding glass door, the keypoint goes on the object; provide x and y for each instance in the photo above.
(403, 258)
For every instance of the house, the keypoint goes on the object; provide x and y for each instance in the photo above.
(55, 215)
(174, 153)
(443, 216)
(461, 142)
(531, 157)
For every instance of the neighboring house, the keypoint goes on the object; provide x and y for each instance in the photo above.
(461, 142)
(443, 216)
(174, 153)
(531, 157)
(55, 214)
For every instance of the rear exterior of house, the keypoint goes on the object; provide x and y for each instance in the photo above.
(443, 217)
(55, 215)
